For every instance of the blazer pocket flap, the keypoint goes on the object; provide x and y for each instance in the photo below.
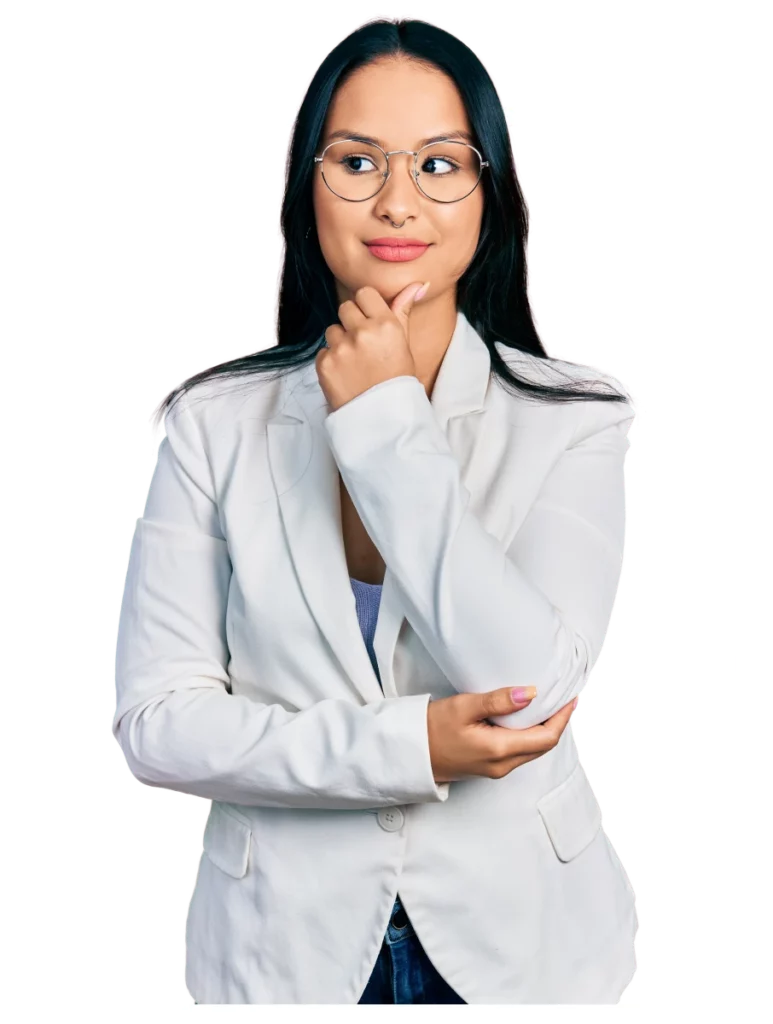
(227, 841)
(571, 814)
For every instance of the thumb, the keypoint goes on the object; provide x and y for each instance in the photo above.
(403, 302)
(502, 701)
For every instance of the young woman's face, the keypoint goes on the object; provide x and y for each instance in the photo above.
(398, 103)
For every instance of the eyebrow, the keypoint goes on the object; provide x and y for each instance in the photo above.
(344, 133)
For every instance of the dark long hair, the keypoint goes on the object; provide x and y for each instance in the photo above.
(492, 292)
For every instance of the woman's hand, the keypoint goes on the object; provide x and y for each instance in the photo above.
(463, 744)
(371, 346)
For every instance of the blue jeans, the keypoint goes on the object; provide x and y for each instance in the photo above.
(403, 972)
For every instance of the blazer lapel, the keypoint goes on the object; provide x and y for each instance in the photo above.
(306, 478)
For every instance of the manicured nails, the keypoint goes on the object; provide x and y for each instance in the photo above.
(574, 702)
(422, 291)
(519, 694)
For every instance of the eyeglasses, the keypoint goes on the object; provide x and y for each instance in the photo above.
(357, 171)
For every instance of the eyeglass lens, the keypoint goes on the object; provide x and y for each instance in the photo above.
(448, 171)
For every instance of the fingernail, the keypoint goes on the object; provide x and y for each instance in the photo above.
(574, 702)
(422, 291)
(521, 693)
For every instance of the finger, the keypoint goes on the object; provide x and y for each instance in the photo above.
(519, 704)
(497, 702)
(509, 764)
(350, 315)
(537, 738)
(534, 740)
(404, 301)
(334, 335)
(558, 722)
(566, 710)
(370, 301)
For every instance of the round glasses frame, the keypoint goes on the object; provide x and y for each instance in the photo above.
(414, 173)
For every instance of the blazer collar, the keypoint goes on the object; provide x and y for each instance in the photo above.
(306, 477)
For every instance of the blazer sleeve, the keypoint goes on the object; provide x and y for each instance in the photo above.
(178, 723)
(534, 613)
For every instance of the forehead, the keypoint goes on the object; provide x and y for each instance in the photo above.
(399, 102)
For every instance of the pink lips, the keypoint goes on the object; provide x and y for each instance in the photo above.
(397, 253)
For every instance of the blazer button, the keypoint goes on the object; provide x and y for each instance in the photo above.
(391, 818)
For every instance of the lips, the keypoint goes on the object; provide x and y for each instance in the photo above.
(396, 240)
(397, 250)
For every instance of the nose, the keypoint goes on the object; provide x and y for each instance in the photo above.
(399, 196)
(399, 168)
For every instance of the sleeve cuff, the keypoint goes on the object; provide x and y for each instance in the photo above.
(411, 750)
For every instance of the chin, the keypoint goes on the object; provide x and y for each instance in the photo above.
(393, 280)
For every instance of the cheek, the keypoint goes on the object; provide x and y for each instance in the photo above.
(459, 244)
(336, 227)
(323, 212)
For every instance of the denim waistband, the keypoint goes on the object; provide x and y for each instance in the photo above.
(394, 933)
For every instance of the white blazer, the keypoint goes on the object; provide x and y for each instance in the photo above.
(242, 677)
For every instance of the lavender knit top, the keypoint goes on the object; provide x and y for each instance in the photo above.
(367, 597)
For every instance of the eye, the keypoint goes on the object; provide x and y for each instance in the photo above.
(355, 158)
(433, 162)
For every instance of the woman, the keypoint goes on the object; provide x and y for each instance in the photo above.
(369, 839)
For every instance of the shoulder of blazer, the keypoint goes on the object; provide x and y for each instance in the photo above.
(553, 370)
(591, 416)
(218, 404)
